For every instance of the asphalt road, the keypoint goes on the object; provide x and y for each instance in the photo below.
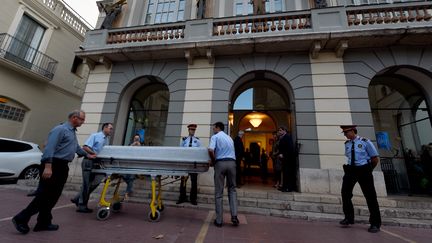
(186, 225)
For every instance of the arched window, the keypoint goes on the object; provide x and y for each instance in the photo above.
(260, 98)
(148, 113)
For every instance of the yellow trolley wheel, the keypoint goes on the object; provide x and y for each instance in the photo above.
(103, 213)
(161, 208)
(155, 218)
(116, 207)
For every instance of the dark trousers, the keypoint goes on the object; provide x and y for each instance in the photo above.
(46, 199)
(289, 174)
(362, 175)
(238, 171)
(194, 187)
(89, 184)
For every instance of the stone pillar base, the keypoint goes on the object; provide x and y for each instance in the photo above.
(329, 181)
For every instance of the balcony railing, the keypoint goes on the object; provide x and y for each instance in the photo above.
(67, 15)
(369, 15)
(26, 56)
(147, 33)
(303, 30)
(269, 23)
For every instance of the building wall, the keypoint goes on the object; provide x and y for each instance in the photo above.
(47, 102)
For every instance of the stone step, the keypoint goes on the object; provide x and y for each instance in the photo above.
(400, 211)
(296, 202)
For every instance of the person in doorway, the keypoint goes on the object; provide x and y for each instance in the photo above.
(248, 162)
(239, 153)
(362, 158)
(93, 145)
(129, 179)
(263, 165)
(222, 154)
(60, 149)
(287, 156)
(190, 141)
(277, 163)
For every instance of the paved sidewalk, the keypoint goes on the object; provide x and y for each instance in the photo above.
(186, 225)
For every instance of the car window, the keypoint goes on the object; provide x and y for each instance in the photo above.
(13, 146)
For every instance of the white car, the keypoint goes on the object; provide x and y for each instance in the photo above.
(19, 159)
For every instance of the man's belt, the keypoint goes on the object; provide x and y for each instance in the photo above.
(225, 159)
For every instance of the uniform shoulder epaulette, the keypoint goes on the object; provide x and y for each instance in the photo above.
(197, 138)
(347, 141)
(364, 139)
(184, 138)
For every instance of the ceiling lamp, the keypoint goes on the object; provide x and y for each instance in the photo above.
(255, 122)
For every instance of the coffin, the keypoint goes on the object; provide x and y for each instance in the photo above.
(127, 159)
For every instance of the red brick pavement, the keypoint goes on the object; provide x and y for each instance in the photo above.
(186, 225)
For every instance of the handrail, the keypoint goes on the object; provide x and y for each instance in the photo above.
(26, 56)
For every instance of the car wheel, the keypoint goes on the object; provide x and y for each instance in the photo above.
(31, 173)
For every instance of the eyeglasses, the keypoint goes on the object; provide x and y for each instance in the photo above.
(80, 118)
(345, 132)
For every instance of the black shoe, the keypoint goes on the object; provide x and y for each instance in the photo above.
(235, 221)
(50, 227)
(346, 222)
(74, 201)
(84, 210)
(194, 202)
(32, 194)
(374, 229)
(20, 226)
(217, 224)
(181, 200)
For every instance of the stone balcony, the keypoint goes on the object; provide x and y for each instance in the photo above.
(330, 29)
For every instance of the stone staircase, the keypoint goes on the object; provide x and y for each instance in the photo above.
(395, 210)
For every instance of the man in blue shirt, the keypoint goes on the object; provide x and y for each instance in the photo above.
(222, 154)
(59, 151)
(93, 145)
(362, 158)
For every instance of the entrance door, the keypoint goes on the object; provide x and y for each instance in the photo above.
(258, 109)
(404, 133)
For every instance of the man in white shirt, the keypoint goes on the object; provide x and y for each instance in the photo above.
(222, 154)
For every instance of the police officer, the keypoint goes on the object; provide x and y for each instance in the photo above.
(189, 141)
(362, 158)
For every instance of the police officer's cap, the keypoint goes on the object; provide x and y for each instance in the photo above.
(192, 126)
(346, 128)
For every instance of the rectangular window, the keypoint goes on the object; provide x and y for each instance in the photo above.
(165, 11)
(245, 7)
(26, 41)
(11, 113)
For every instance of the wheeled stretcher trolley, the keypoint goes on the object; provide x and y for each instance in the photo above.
(154, 161)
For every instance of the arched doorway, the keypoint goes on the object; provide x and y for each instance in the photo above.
(258, 107)
(400, 105)
(147, 114)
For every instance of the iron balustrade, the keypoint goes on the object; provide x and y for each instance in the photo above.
(19, 52)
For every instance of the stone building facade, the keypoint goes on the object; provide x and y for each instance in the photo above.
(310, 69)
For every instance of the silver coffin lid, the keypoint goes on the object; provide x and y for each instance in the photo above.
(155, 158)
